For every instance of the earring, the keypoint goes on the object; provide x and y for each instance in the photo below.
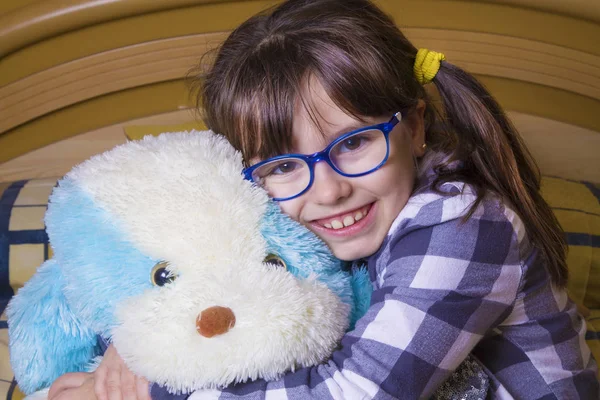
(423, 146)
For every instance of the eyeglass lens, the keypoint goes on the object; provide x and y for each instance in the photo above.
(354, 155)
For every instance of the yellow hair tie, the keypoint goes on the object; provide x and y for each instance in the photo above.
(427, 64)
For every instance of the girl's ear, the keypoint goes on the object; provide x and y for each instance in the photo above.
(416, 125)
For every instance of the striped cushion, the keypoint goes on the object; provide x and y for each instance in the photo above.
(24, 246)
(577, 207)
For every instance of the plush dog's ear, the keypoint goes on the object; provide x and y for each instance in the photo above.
(46, 340)
(362, 290)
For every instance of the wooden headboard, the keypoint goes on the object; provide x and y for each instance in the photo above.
(68, 67)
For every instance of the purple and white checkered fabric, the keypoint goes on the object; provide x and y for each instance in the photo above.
(445, 288)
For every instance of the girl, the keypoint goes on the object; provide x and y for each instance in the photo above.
(326, 101)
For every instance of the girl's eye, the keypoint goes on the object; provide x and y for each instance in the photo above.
(285, 168)
(160, 274)
(275, 261)
(353, 143)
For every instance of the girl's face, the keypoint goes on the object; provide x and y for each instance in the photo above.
(366, 206)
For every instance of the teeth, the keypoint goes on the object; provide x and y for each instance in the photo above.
(347, 221)
(335, 224)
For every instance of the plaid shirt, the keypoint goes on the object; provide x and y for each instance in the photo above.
(444, 288)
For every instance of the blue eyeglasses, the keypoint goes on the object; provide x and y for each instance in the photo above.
(353, 154)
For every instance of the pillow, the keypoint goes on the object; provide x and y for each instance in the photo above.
(135, 132)
(23, 239)
(592, 336)
(577, 208)
(24, 245)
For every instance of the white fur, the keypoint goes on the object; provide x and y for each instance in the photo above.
(193, 209)
(281, 322)
(39, 395)
(174, 175)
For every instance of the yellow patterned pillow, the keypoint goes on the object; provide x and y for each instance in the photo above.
(23, 248)
(593, 334)
(577, 207)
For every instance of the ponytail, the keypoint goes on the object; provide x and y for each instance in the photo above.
(494, 158)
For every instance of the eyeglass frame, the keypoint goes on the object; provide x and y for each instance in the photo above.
(323, 155)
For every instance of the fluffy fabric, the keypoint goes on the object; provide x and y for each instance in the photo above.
(152, 233)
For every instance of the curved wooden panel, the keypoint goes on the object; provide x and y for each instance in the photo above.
(168, 59)
(499, 19)
(515, 58)
(48, 18)
(100, 74)
(543, 101)
(560, 149)
(523, 97)
(93, 114)
(583, 9)
(205, 17)
(58, 158)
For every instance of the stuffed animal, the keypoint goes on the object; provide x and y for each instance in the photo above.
(197, 278)
(199, 281)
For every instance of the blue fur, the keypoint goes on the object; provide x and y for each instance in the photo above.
(48, 338)
(99, 259)
(363, 289)
(304, 254)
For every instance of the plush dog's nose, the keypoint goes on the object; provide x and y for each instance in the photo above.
(214, 321)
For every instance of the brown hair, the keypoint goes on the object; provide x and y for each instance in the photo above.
(365, 64)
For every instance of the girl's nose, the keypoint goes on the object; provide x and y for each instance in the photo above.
(329, 187)
(215, 321)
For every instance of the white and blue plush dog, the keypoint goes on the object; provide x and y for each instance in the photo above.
(197, 278)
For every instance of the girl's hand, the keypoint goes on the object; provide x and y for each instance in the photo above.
(114, 381)
(74, 386)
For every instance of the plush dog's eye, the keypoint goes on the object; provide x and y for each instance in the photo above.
(160, 275)
(275, 261)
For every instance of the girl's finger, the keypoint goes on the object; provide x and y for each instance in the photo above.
(143, 388)
(128, 385)
(83, 392)
(100, 382)
(67, 381)
(113, 384)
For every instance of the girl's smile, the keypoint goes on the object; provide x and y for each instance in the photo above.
(344, 219)
(345, 224)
